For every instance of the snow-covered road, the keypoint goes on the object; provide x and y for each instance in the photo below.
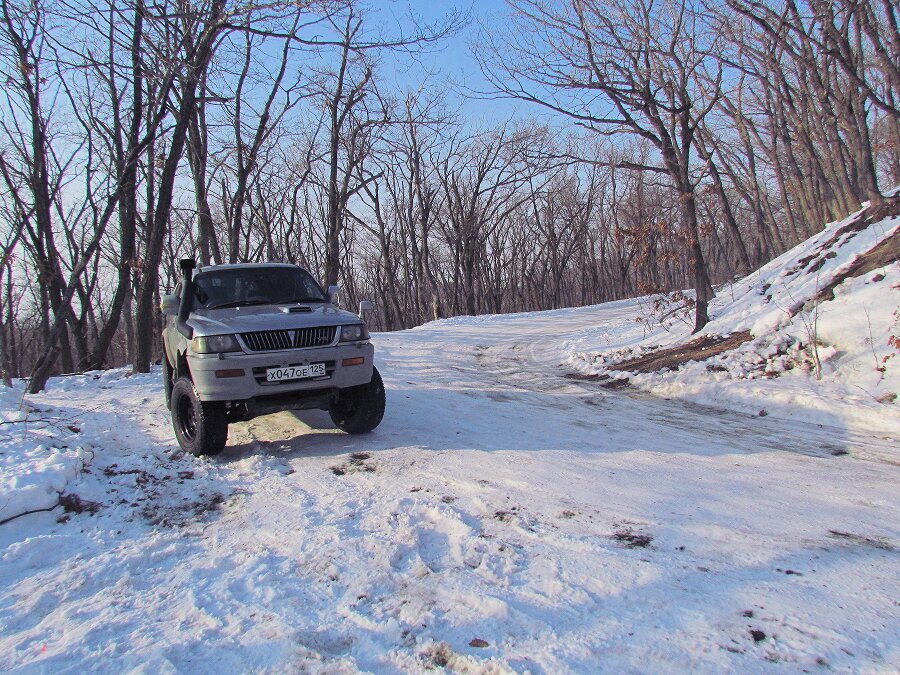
(502, 517)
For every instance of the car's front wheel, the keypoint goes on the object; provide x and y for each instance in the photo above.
(200, 427)
(358, 410)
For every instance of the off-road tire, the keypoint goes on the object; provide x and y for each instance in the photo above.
(168, 381)
(200, 427)
(358, 410)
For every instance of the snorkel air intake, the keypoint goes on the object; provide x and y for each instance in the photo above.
(187, 266)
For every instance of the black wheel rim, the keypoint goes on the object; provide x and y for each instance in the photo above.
(187, 418)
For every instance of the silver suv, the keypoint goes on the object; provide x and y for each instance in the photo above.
(251, 339)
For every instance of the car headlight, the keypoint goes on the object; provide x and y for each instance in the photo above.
(354, 333)
(215, 344)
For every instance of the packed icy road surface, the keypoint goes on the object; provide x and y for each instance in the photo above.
(502, 518)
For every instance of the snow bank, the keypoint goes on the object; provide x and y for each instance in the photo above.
(764, 300)
(44, 448)
(828, 361)
(33, 474)
(33, 480)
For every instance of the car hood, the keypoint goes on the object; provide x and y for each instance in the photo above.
(267, 317)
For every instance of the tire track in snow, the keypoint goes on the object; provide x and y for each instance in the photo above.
(535, 367)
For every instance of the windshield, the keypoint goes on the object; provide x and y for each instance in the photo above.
(255, 286)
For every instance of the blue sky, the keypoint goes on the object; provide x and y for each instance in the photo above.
(453, 64)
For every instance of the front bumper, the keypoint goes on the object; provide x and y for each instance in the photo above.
(252, 383)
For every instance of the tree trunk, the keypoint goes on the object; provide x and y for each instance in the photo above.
(149, 285)
(702, 286)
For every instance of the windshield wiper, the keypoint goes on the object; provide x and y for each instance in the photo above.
(309, 299)
(240, 303)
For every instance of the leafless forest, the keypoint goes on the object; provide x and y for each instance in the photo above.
(674, 144)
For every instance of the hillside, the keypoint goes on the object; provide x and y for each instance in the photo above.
(812, 335)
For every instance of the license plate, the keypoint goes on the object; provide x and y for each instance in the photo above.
(295, 372)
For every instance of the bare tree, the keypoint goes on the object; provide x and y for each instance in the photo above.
(478, 178)
(826, 72)
(353, 106)
(623, 66)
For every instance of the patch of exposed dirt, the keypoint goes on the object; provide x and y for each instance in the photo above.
(861, 540)
(885, 253)
(357, 464)
(438, 655)
(72, 503)
(151, 497)
(812, 263)
(603, 380)
(585, 377)
(171, 515)
(507, 515)
(113, 470)
(632, 538)
(698, 349)
(791, 573)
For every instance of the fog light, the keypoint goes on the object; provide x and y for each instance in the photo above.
(355, 361)
(230, 372)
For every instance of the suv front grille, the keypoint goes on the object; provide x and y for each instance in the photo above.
(272, 340)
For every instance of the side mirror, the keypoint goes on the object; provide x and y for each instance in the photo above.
(333, 292)
(365, 306)
(169, 304)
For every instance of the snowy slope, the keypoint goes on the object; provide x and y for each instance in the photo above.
(502, 518)
(775, 373)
